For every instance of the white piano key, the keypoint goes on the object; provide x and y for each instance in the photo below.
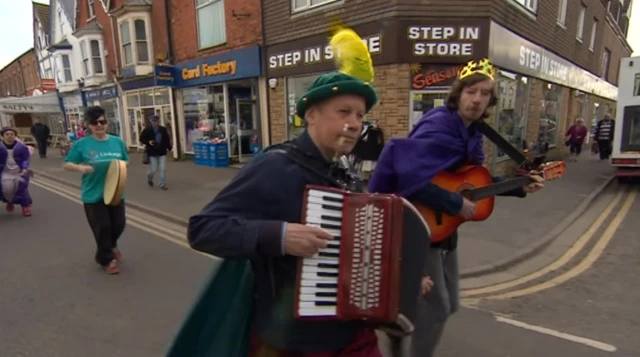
(317, 211)
(321, 201)
(323, 260)
(318, 279)
(312, 304)
(318, 311)
(311, 269)
(318, 206)
(314, 298)
(315, 284)
(313, 290)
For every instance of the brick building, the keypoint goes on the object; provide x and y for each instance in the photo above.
(558, 60)
(220, 90)
(21, 95)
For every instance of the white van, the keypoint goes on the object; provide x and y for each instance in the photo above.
(625, 153)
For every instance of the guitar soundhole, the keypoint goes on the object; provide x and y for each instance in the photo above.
(465, 190)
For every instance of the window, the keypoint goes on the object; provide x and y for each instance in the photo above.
(295, 88)
(85, 58)
(91, 58)
(211, 23)
(204, 115)
(580, 32)
(134, 42)
(562, 12)
(636, 86)
(96, 57)
(302, 5)
(605, 63)
(512, 109)
(594, 31)
(92, 13)
(551, 106)
(630, 128)
(65, 75)
(60, 21)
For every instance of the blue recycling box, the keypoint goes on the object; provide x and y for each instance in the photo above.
(201, 153)
(218, 155)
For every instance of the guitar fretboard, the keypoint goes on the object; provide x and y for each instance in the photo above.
(498, 188)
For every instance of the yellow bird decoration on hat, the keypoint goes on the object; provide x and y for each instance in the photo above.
(351, 54)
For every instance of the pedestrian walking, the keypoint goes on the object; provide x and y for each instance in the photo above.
(91, 156)
(574, 138)
(15, 158)
(157, 143)
(605, 129)
(40, 133)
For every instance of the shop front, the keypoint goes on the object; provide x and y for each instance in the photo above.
(73, 105)
(107, 98)
(219, 100)
(542, 94)
(20, 112)
(142, 98)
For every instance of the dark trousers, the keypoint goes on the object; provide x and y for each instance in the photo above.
(604, 146)
(107, 224)
(42, 147)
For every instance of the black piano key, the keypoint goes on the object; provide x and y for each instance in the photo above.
(332, 199)
(327, 285)
(330, 226)
(332, 208)
(327, 275)
(326, 294)
(333, 245)
(327, 265)
(326, 303)
(331, 218)
(329, 255)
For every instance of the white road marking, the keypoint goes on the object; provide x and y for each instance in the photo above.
(562, 335)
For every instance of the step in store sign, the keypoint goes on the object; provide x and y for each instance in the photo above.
(512, 52)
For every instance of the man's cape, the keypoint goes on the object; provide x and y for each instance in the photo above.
(437, 142)
(219, 324)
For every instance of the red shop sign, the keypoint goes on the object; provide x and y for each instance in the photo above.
(433, 76)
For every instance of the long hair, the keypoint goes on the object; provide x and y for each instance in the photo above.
(453, 98)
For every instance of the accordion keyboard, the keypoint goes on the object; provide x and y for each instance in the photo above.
(319, 281)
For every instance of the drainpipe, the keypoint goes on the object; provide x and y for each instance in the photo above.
(264, 68)
(115, 45)
(177, 142)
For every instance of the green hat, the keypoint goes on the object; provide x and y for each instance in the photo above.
(333, 84)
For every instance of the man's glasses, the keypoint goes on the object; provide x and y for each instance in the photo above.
(99, 122)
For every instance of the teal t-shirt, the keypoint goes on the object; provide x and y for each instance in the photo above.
(96, 153)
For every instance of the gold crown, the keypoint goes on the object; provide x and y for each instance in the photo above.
(483, 67)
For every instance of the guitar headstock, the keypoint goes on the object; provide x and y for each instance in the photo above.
(549, 171)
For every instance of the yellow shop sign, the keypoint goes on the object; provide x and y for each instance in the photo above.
(209, 70)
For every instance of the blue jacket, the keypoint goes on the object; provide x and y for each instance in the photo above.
(247, 220)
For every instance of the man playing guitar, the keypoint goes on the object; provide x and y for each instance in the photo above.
(444, 139)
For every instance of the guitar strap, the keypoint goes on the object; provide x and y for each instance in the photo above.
(504, 145)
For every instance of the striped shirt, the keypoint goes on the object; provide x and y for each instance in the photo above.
(605, 130)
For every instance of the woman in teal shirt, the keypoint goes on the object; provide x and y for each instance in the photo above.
(91, 156)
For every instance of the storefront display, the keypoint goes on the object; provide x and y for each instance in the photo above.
(513, 91)
(550, 110)
(107, 98)
(73, 110)
(219, 102)
(140, 105)
(296, 87)
(19, 113)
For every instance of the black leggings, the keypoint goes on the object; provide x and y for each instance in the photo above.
(107, 224)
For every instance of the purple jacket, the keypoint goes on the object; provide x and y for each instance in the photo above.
(438, 141)
(20, 154)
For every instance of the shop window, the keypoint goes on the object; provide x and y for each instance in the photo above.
(512, 108)
(211, 23)
(204, 115)
(134, 41)
(303, 5)
(424, 101)
(551, 108)
(295, 88)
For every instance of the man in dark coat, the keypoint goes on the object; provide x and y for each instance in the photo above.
(157, 143)
(40, 133)
(257, 217)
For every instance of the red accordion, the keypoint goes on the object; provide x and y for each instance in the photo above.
(372, 269)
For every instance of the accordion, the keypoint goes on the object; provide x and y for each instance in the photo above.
(372, 270)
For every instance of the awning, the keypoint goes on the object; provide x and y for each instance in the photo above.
(46, 103)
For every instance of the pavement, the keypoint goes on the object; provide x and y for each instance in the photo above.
(517, 229)
(56, 302)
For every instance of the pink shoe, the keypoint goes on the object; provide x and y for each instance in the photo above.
(117, 254)
(26, 211)
(112, 268)
(9, 207)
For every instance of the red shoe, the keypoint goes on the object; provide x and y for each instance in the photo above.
(112, 268)
(117, 254)
(26, 211)
(9, 207)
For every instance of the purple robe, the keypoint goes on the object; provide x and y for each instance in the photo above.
(22, 156)
(437, 142)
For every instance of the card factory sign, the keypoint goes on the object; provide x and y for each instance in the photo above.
(512, 52)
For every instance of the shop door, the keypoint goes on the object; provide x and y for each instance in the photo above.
(246, 130)
(423, 101)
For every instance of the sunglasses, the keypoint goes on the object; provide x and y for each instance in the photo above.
(99, 122)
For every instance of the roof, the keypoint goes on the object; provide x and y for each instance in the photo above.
(41, 11)
(132, 5)
(69, 8)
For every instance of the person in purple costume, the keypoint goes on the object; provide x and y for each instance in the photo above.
(444, 139)
(14, 171)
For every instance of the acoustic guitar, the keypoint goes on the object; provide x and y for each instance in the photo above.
(476, 184)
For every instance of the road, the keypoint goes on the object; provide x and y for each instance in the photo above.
(54, 300)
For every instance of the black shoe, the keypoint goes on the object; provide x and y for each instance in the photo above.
(164, 188)
(150, 182)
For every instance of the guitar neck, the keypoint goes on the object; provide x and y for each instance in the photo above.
(499, 188)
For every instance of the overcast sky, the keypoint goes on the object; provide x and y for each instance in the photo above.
(16, 34)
